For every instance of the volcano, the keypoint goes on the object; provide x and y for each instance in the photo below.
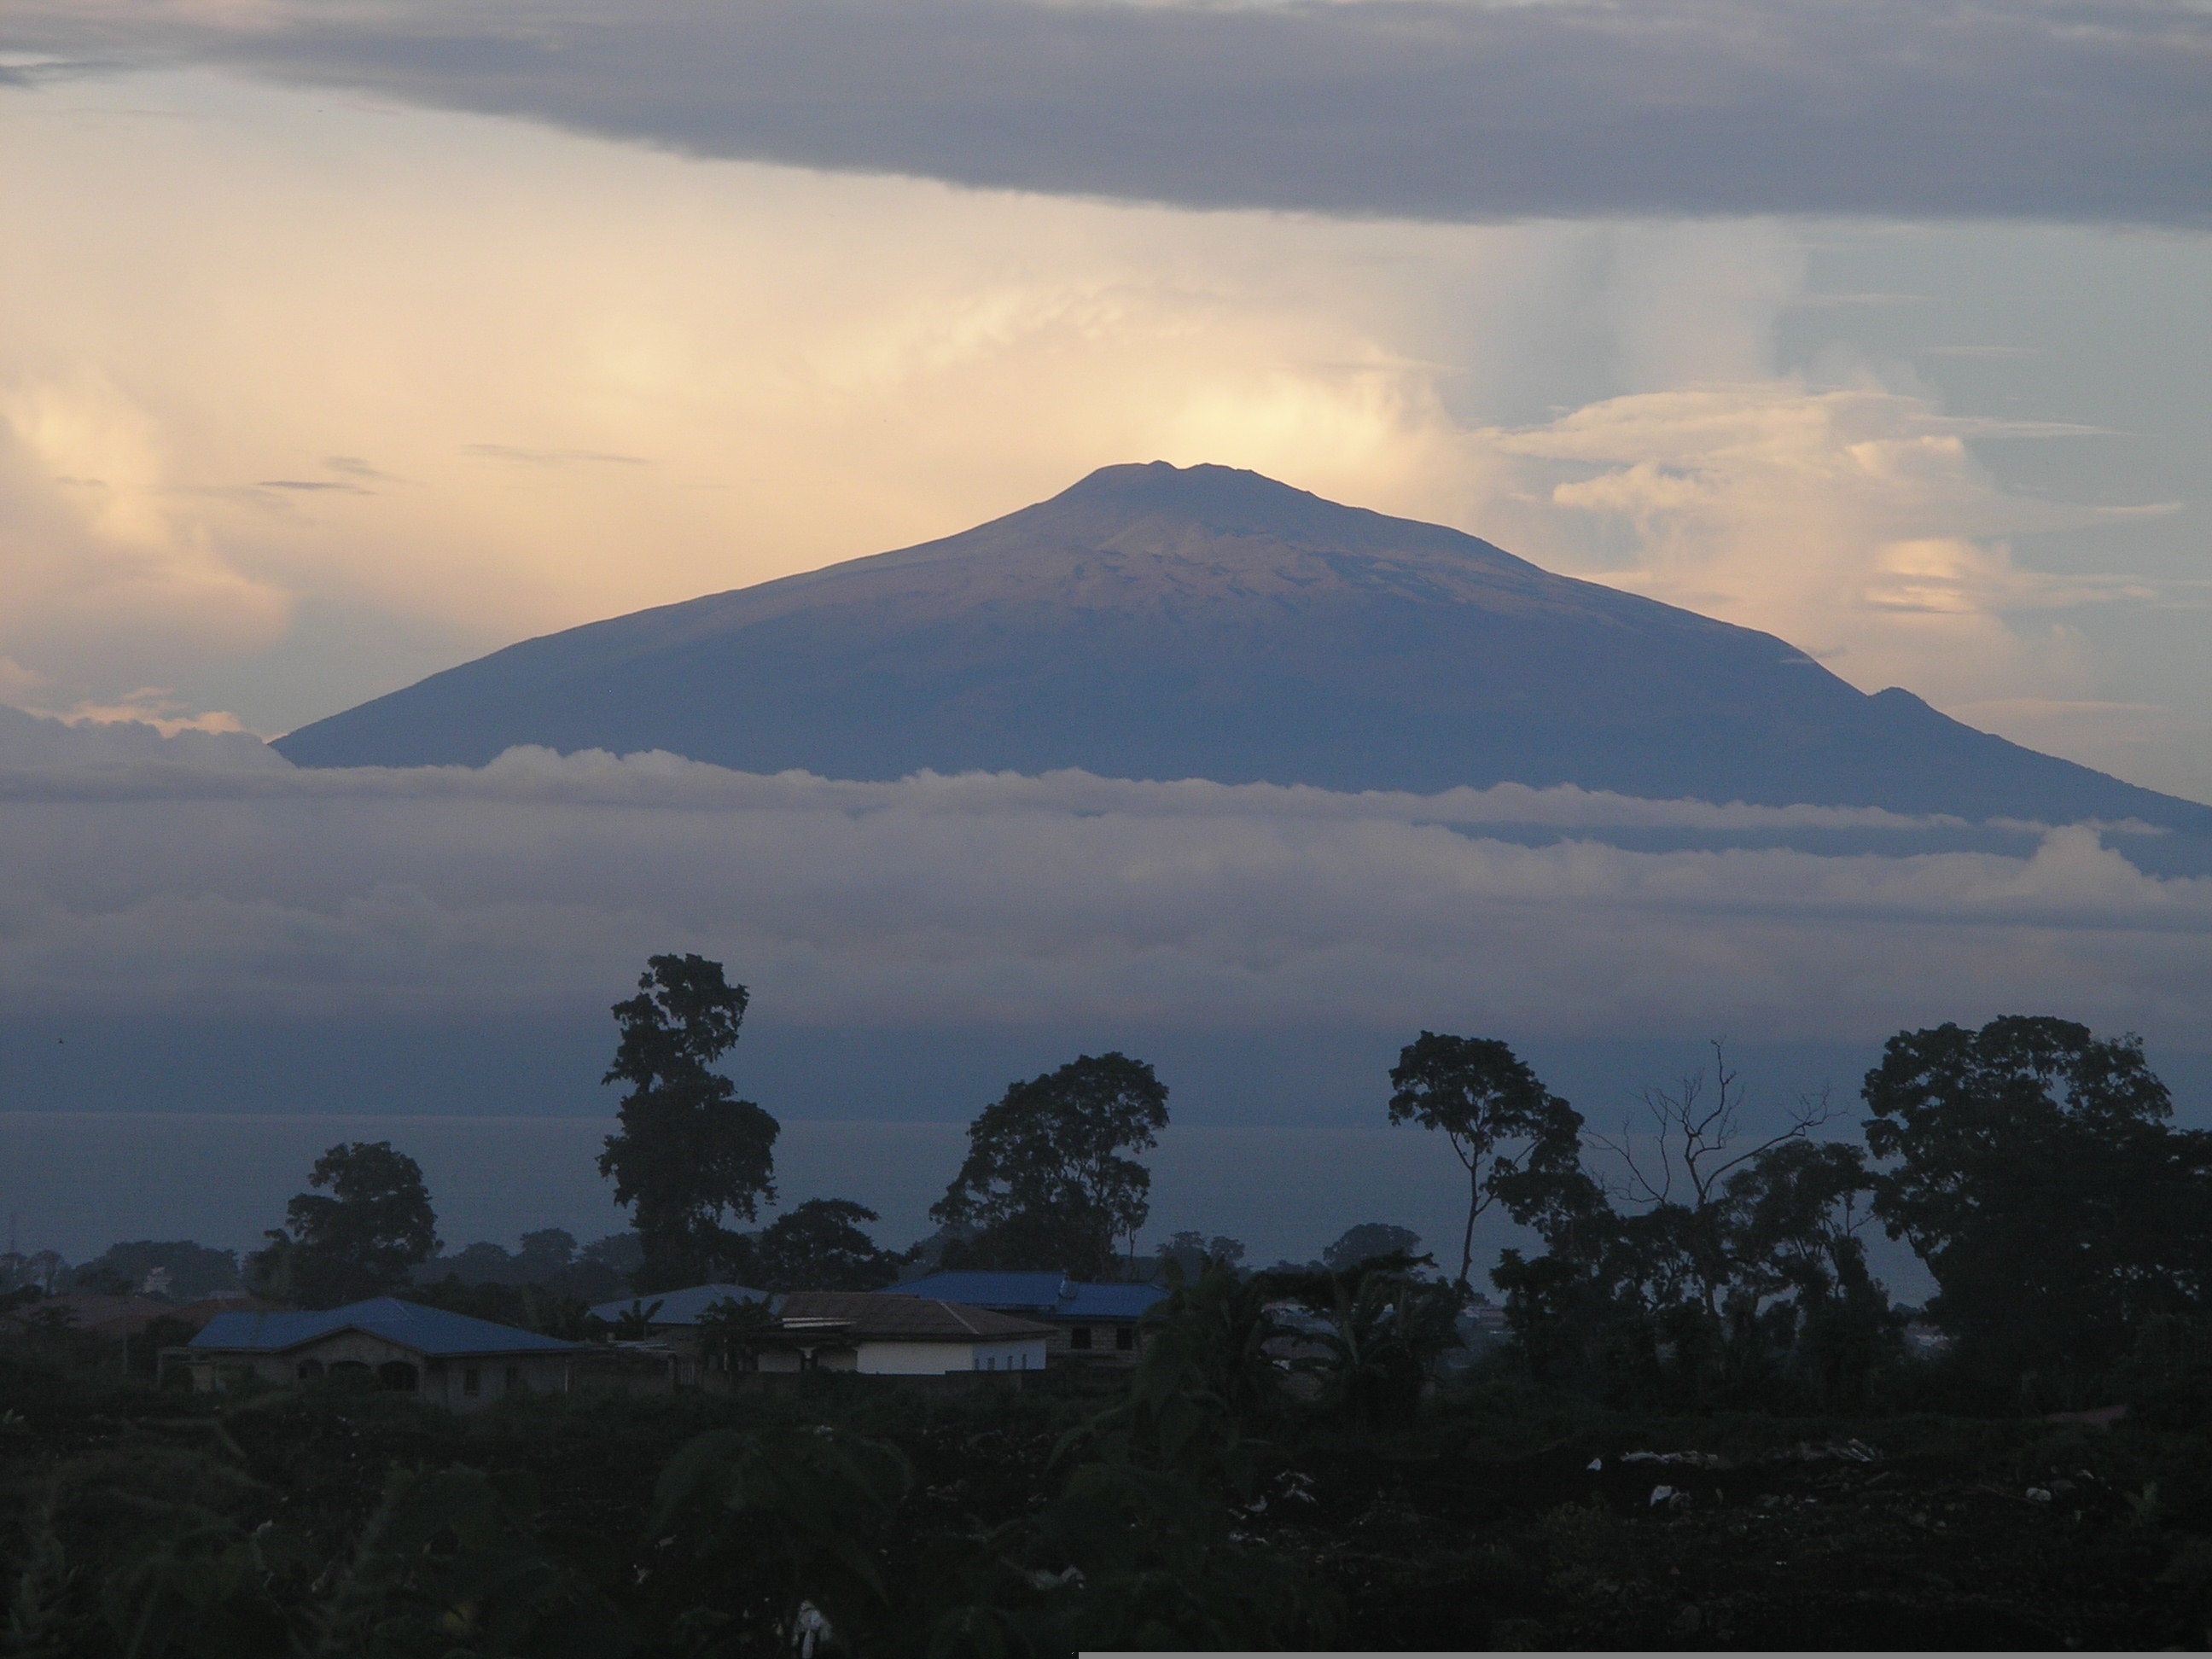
(1164, 622)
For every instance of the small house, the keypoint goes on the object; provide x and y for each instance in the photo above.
(883, 1336)
(866, 1331)
(667, 1325)
(446, 1358)
(1088, 1322)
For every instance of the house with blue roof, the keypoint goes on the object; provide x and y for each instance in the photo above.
(1090, 1323)
(444, 1358)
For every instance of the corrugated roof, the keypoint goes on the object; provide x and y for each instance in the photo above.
(432, 1332)
(1046, 1295)
(680, 1307)
(874, 1316)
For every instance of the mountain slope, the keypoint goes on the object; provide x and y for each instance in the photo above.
(1153, 621)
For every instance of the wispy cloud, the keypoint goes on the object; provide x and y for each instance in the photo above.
(550, 457)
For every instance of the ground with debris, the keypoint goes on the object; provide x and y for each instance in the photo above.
(1501, 1519)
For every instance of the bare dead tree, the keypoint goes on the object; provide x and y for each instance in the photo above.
(1692, 1140)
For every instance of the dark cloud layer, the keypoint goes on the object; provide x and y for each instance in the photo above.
(1432, 109)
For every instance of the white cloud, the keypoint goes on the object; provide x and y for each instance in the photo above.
(1854, 521)
(194, 874)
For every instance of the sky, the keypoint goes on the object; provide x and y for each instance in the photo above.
(342, 341)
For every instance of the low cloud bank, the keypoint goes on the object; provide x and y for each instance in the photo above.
(1400, 107)
(198, 873)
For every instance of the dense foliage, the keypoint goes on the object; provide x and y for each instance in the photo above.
(1211, 1499)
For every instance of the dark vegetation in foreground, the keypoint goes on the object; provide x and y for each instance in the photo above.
(1086, 1511)
(1708, 1426)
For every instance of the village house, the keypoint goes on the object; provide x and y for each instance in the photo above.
(663, 1336)
(444, 1358)
(871, 1332)
(1094, 1324)
(884, 1335)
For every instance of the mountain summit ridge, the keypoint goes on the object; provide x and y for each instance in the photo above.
(1159, 622)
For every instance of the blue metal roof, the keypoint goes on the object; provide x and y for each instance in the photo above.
(1044, 1296)
(432, 1332)
(681, 1307)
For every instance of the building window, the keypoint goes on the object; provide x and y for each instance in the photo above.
(311, 1370)
(1125, 1340)
(513, 1379)
(1080, 1337)
(471, 1380)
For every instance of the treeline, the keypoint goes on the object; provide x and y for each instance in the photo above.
(1049, 1181)
(2031, 1165)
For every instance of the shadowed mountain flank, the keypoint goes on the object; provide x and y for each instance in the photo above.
(1154, 621)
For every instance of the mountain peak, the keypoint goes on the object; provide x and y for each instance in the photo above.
(1152, 621)
(1204, 490)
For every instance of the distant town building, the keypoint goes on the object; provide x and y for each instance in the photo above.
(445, 1359)
(662, 1349)
(1090, 1323)
(883, 1335)
(873, 1333)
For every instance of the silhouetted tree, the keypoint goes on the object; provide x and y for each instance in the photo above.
(1385, 1326)
(1503, 1126)
(1045, 1182)
(819, 1246)
(2036, 1175)
(688, 1152)
(1794, 1214)
(193, 1270)
(359, 1240)
(1367, 1241)
(1677, 1168)
(1190, 1253)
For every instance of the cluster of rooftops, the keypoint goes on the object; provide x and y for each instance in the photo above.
(943, 1325)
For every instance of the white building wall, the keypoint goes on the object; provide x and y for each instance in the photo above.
(437, 1382)
(889, 1358)
(915, 1358)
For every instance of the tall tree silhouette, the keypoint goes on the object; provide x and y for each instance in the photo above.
(688, 1152)
(1509, 1132)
